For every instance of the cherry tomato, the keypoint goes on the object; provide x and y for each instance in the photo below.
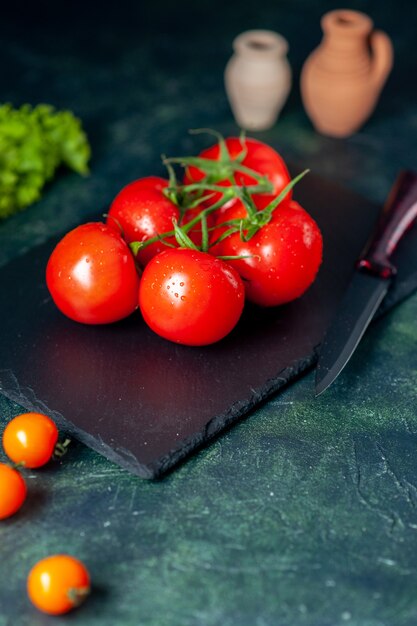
(12, 491)
(190, 297)
(91, 275)
(30, 439)
(283, 257)
(143, 211)
(260, 157)
(58, 583)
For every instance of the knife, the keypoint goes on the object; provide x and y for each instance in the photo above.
(373, 276)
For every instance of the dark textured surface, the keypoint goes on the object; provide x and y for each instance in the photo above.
(146, 403)
(305, 514)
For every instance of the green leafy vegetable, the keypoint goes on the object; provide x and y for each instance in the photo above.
(34, 142)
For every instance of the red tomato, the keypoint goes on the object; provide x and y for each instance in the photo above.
(283, 256)
(190, 297)
(260, 157)
(143, 211)
(91, 275)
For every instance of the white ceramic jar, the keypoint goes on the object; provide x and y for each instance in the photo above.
(258, 78)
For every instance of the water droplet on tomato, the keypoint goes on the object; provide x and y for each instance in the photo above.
(183, 298)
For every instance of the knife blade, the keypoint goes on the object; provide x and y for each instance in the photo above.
(373, 275)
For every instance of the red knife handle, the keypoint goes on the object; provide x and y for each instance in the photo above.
(399, 213)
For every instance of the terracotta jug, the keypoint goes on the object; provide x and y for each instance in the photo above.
(342, 79)
(258, 78)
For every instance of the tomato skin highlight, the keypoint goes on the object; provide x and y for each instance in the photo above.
(12, 491)
(58, 583)
(91, 275)
(143, 211)
(190, 297)
(30, 439)
(260, 157)
(283, 256)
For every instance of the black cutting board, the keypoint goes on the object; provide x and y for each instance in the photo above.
(146, 403)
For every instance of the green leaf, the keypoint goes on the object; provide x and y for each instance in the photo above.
(34, 142)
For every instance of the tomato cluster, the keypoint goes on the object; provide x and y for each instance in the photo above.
(188, 254)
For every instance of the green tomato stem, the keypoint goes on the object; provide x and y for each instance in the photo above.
(135, 246)
(61, 448)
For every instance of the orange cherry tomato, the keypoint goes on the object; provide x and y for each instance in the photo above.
(12, 491)
(30, 439)
(58, 583)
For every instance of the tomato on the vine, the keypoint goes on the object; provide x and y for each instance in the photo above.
(12, 491)
(30, 439)
(58, 583)
(281, 259)
(91, 275)
(142, 211)
(174, 231)
(260, 157)
(190, 297)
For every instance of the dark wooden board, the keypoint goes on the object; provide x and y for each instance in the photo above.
(146, 403)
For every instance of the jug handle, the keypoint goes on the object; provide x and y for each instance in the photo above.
(383, 56)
